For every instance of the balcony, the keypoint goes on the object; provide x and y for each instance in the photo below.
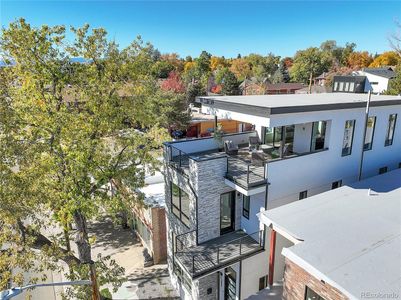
(214, 254)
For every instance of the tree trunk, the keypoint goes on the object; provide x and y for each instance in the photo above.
(84, 250)
(310, 83)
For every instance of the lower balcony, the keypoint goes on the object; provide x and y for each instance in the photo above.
(216, 253)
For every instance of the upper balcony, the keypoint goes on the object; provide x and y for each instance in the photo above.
(198, 260)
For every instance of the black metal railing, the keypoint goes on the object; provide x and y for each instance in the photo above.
(207, 256)
(177, 157)
(245, 174)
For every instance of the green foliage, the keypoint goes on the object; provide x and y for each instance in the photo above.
(309, 62)
(395, 83)
(161, 69)
(69, 131)
(230, 84)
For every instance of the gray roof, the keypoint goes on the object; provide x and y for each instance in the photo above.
(348, 237)
(383, 72)
(265, 105)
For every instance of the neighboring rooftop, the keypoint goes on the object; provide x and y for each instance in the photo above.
(387, 72)
(349, 237)
(265, 105)
(153, 191)
(284, 86)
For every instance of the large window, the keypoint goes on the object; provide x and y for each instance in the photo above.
(180, 204)
(370, 130)
(390, 130)
(312, 295)
(246, 206)
(348, 137)
(318, 135)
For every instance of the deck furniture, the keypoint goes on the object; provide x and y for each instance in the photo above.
(254, 143)
(230, 148)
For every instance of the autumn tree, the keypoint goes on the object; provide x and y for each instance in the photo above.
(357, 60)
(68, 132)
(173, 83)
(241, 69)
(389, 58)
(394, 87)
(217, 62)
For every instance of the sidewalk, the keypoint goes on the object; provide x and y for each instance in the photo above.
(122, 245)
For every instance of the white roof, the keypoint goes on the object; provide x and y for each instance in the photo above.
(153, 190)
(348, 237)
(299, 100)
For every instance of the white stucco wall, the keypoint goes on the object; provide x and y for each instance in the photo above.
(382, 82)
(251, 225)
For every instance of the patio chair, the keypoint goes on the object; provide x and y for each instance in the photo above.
(230, 148)
(254, 143)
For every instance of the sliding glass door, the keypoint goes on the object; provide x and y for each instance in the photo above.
(227, 212)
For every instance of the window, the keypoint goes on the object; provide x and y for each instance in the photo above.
(383, 170)
(263, 282)
(336, 184)
(303, 195)
(370, 130)
(390, 130)
(348, 137)
(246, 206)
(335, 86)
(312, 295)
(180, 204)
(318, 135)
(352, 86)
(399, 165)
(341, 89)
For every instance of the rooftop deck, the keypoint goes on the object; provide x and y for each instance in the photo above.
(211, 255)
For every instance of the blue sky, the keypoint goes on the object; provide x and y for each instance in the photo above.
(223, 27)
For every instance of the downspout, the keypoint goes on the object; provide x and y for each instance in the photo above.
(364, 134)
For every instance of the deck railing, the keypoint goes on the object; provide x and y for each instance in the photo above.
(177, 157)
(245, 174)
(197, 260)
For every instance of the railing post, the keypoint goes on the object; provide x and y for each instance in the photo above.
(218, 255)
(240, 246)
(179, 154)
(247, 176)
(193, 264)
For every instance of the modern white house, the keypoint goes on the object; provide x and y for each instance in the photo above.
(300, 146)
(377, 78)
(345, 243)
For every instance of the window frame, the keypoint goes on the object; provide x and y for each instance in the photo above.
(373, 134)
(246, 211)
(312, 136)
(352, 138)
(339, 182)
(180, 214)
(383, 170)
(307, 288)
(388, 141)
(300, 196)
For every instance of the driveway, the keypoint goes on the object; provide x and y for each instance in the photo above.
(122, 245)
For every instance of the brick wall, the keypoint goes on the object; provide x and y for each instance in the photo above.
(296, 279)
(159, 235)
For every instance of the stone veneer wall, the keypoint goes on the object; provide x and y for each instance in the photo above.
(207, 284)
(296, 279)
(209, 186)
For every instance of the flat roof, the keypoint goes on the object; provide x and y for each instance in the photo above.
(291, 103)
(348, 237)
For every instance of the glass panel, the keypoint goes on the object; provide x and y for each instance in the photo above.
(230, 289)
(341, 89)
(277, 136)
(312, 295)
(390, 130)
(318, 135)
(346, 87)
(246, 207)
(370, 129)
(184, 203)
(175, 195)
(226, 212)
(335, 86)
(269, 135)
(348, 137)
(351, 86)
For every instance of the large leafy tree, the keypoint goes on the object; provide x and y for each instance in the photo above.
(389, 58)
(228, 81)
(308, 64)
(357, 60)
(68, 133)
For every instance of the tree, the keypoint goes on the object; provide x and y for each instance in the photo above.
(173, 83)
(203, 62)
(161, 69)
(395, 83)
(228, 81)
(240, 68)
(357, 60)
(281, 75)
(67, 135)
(309, 63)
(389, 58)
(395, 39)
(217, 62)
(194, 89)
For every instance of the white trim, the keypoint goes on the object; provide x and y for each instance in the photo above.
(243, 191)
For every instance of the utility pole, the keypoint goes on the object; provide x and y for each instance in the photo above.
(364, 134)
